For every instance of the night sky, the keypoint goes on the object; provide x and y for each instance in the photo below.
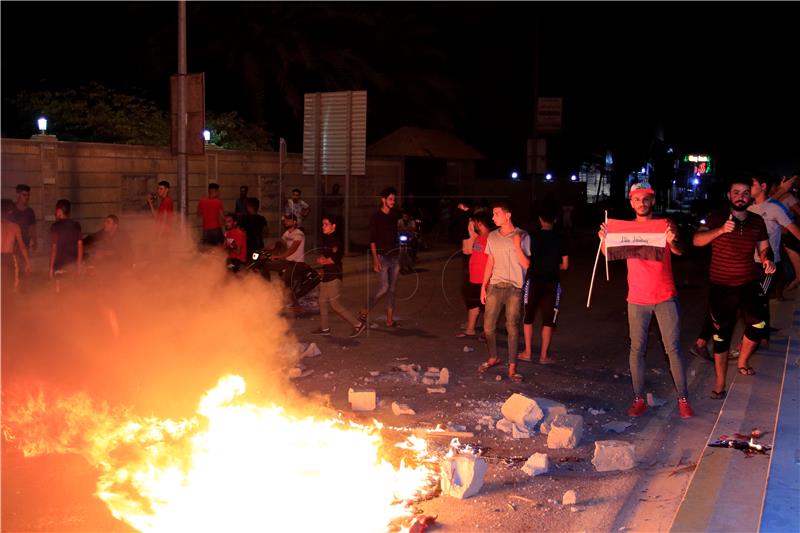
(719, 77)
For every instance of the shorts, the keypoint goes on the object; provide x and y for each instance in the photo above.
(724, 304)
(472, 295)
(788, 240)
(544, 296)
(212, 237)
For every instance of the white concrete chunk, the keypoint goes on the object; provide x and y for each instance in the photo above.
(536, 464)
(462, 476)
(520, 432)
(570, 498)
(402, 409)
(504, 425)
(361, 399)
(444, 377)
(550, 409)
(612, 455)
(433, 369)
(374, 373)
(565, 432)
(428, 381)
(522, 410)
(436, 390)
(311, 351)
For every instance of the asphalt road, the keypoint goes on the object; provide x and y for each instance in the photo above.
(54, 492)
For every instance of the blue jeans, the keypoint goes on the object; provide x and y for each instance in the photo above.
(668, 315)
(387, 281)
(497, 296)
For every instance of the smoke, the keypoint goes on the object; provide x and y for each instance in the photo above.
(153, 337)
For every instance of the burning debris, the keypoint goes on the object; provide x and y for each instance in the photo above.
(462, 471)
(234, 466)
(361, 399)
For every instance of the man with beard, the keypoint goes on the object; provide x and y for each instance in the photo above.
(733, 234)
(651, 291)
(235, 242)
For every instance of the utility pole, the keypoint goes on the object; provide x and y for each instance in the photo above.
(183, 181)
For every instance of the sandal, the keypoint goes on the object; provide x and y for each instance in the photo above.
(526, 359)
(746, 370)
(467, 336)
(718, 395)
(486, 365)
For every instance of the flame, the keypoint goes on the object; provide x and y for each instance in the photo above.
(234, 466)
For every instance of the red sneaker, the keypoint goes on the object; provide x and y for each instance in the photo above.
(685, 408)
(638, 408)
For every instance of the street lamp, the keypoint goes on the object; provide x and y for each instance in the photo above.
(573, 178)
(42, 123)
(548, 177)
(514, 175)
(207, 136)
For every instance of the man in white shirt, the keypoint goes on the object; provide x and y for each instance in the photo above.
(289, 251)
(297, 207)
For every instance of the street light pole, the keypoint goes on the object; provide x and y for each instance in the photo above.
(183, 182)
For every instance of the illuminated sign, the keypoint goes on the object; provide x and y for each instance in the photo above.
(701, 163)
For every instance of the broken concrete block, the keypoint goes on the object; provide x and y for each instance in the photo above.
(433, 369)
(504, 425)
(444, 377)
(311, 351)
(520, 432)
(374, 373)
(436, 390)
(616, 426)
(550, 409)
(613, 455)
(462, 476)
(402, 409)
(652, 401)
(565, 431)
(522, 410)
(570, 498)
(536, 464)
(428, 381)
(361, 399)
(467, 349)
(498, 378)
(596, 412)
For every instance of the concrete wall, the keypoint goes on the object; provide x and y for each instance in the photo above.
(100, 179)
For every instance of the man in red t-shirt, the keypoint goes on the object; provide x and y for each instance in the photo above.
(475, 249)
(235, 242)
(163, 215)
(210, 211)
(651, 290)
(733, 235)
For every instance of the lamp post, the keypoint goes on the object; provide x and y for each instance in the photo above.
(207, 136)
(42, 123)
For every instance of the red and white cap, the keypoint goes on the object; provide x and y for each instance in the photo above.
(641, 188)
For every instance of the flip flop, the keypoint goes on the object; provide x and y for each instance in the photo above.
(746, 370)
(549, 361)
(718, 395)
(467, 336)
(486, 365)
(526, 359)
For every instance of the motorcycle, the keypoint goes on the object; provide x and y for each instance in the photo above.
(302, 280)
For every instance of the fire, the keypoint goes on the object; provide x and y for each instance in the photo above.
(234, 466)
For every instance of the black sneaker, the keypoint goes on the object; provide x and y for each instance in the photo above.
(357, 330)
(324, 332)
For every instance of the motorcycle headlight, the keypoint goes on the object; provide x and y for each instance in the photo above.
(255, 256)
(403, 238)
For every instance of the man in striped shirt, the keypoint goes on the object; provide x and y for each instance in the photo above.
(733, 235)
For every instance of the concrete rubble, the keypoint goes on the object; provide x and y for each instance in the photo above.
(616, 426)
(402, 409)
(551, 409)
(536, 464)
(437, 390)
(610, 455)
(520, 432)
(444, 377)
(565, 431)
(570, 498)
(467, 349)
(374, 373)
(505, 425)
(361, 399)
(522, 410)
(462, 476)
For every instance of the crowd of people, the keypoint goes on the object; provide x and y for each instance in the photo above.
(754, 241)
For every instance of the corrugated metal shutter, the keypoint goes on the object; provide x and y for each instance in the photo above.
(328, 127)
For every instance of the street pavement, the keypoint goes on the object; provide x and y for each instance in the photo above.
(591, 350)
